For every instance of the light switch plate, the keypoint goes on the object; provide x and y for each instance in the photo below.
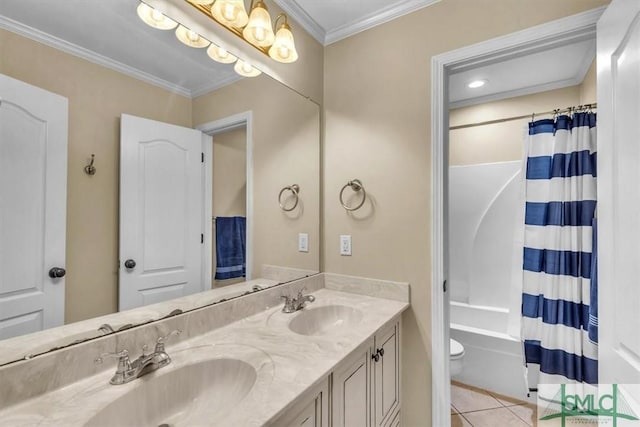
(303, 242)
(345, 245)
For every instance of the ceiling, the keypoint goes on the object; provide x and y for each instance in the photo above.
(109, 32)
(550, 69)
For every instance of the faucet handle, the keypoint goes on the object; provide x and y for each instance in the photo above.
(124, 364)
(301, 292)
(162, 339)
(145, 347)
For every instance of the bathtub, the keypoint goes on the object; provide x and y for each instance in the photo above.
(493, 360)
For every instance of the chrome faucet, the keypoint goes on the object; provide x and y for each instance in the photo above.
(129, 371)
(291, 305)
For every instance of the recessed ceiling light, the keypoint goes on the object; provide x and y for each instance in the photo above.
(476, 84)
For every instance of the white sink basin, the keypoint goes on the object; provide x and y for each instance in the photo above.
(207, 390)
(325, 319)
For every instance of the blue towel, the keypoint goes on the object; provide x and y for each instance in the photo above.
(230, 247)
(592, 328)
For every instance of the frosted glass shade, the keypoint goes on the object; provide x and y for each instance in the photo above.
(230, 13)
(155, 18)
(284, 48)
(191, 38)
(245, 69)
(219, 54)
(258, 31)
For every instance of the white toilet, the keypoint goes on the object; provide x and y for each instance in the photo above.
(456, 353)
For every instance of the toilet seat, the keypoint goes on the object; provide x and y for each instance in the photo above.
(456, 350)
(456, 354)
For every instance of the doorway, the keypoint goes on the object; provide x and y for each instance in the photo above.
(527, 42)
(231, 137)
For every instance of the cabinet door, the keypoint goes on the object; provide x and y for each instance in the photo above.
(386, 377)
(351, 391)
(312, 411)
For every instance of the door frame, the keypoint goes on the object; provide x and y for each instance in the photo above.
(211, 129)
(552, 34)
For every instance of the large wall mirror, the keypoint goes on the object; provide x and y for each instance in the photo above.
(128, 223)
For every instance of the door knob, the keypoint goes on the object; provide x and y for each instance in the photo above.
(57, 272)
(130, 263)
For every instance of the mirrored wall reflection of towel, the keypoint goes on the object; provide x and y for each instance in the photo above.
(230, 247)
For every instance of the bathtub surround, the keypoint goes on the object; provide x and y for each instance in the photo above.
(24, 380)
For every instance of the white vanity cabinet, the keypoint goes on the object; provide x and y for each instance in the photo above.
(366, 387)
(311, 410)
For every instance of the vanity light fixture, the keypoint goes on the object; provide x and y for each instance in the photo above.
(245, 69)
(155, 18)
(255, 29)
(191, 38)
(475, 84)
(284, 49)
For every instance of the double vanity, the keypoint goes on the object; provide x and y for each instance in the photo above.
(333, 359)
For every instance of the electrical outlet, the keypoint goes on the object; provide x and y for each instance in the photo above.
(303, 242)
(345, 245)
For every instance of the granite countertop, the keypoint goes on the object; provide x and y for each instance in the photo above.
(287, 364)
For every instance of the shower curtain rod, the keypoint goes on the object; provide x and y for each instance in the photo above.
(531, 116)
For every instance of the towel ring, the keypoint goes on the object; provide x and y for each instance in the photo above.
(295, 190)
(355, 185)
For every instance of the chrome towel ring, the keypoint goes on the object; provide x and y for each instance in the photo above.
(356, 186)
(295, 190)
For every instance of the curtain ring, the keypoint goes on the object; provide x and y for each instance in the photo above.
(295, 190)
(355, 185)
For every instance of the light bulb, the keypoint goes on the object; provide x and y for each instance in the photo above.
(220, 54)
(154, 18)
(245, 69)
(190, 37)
(229, 12)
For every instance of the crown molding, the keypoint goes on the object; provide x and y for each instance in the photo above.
(89, 55)
(375, 19)
(298, 14)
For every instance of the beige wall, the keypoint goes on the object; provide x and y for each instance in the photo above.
(377, 99)
(285, 151)
(97, 97)
(588, 93)
(229, 176)
(500, 142)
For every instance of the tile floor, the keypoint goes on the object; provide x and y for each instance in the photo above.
(475, 407)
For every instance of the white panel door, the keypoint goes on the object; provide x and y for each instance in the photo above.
(619, 198)
(33, 201)
(161, 211)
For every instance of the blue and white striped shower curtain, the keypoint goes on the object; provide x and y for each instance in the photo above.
(560, 194)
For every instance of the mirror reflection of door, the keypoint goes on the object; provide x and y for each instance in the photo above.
(161, 206)
(33, 199)
(229, 207)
